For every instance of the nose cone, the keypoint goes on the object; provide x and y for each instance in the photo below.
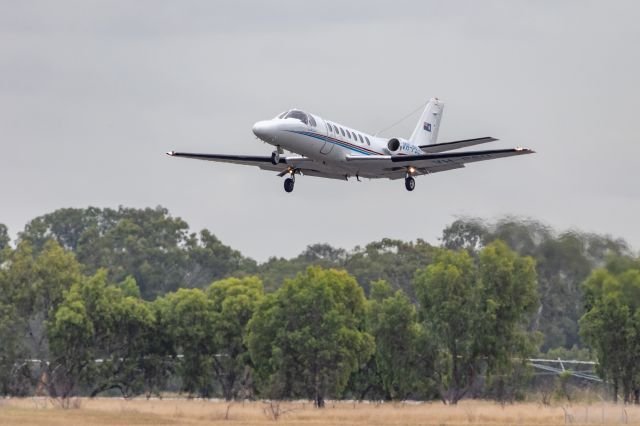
(259, 129)
(265, 130)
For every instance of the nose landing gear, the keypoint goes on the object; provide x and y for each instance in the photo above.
(275, 156)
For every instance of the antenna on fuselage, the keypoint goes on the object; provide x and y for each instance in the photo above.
(402, 119)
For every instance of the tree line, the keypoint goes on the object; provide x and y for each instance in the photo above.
(95, 301)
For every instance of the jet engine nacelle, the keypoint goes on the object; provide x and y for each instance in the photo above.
(399, 146)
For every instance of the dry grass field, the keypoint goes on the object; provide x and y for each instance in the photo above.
(112, 411)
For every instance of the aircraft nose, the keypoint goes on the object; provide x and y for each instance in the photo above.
(263, 130)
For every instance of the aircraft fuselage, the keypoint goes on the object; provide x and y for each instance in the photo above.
(323, 141)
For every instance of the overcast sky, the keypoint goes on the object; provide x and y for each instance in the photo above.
(92, 93)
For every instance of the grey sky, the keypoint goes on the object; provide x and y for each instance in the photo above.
(92, 93)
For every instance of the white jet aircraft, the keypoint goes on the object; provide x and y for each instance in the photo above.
(330, 150)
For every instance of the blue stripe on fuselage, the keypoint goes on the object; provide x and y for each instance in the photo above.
(338, 142)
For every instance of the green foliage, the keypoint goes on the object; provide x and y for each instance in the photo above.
(31, 289)
(234, 303)
(208, 329)
(129, 287)
(466, 234)
(4, 237)
(508, 296)
(562, 262)
(143, 244)
(67, 226)
(448, 297)
(394, 261)
(477, 313)
(275, 270)
(13, 370)
(580, 354)
(208, 260)
(450, 322)
(307, 338)
(147, 244)
(70, 335)
(34, 285)
(403, 354)
(97, 320)
(611, 325)
(563, 391)
(189, 319)
(391, 260)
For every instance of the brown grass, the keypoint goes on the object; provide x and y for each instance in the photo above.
(112, 411)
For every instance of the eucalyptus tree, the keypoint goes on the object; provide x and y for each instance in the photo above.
(611, 324)
(478, 312)
(308, 337)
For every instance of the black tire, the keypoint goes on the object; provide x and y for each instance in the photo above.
(410, 183)
(288, 184)
(274, 158)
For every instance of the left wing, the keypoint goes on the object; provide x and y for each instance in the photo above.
(302, 164)
(395, 166)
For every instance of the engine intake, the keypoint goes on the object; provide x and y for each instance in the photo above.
(399, 146)
(393, 145)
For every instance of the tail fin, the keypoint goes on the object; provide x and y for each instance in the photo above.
(426, 132)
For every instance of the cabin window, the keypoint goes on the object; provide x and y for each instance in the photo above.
(342, 131)
(368, 143)
(312, 120)
(360, 136)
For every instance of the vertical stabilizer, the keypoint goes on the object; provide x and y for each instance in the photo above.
(426, 132)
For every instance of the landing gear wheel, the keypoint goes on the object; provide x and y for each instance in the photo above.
(410, 183)
(275, 157)
(288, 184)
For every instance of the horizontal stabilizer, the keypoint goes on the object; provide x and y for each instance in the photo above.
(449, 146)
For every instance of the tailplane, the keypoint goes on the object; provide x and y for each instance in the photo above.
(426, 132)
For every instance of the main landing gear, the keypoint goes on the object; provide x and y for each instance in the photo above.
(291, 180)
(409, 183)
(289, 183)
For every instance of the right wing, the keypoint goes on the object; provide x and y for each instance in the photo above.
(395, 167)
(303, 164)
(264, 162)
(448, 146)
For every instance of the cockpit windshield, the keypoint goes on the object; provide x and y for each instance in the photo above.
(298, 115)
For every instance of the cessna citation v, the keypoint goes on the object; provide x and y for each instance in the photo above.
(330, 150)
